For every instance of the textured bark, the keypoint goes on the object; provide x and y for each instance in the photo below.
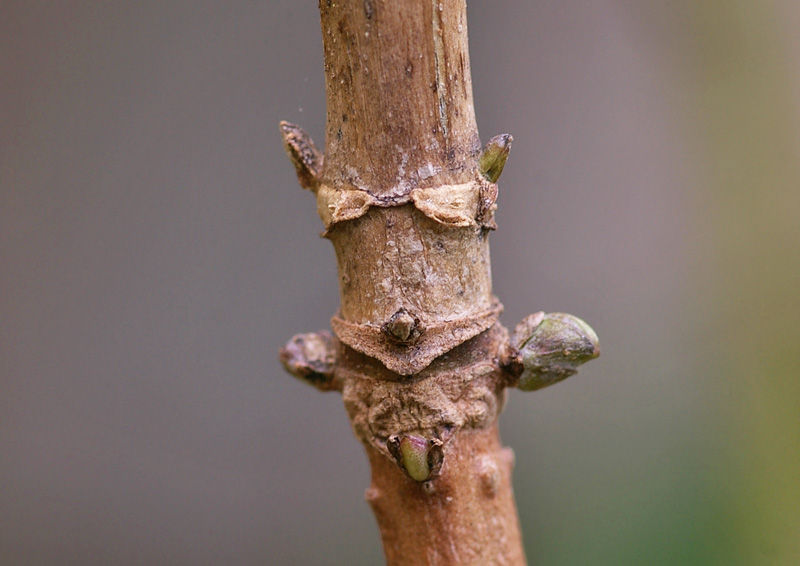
(407, 197)
(467, 516)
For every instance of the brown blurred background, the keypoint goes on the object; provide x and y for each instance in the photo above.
(156, 251)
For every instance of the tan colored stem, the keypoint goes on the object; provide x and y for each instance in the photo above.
(401, 135)
(399, 94)
(407, 197)
(467, 516)
(408, 212)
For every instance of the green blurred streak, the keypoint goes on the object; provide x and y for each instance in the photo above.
(750, 201)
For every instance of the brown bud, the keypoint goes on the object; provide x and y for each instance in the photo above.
(305, 156)
(312, 358)
(402, 327)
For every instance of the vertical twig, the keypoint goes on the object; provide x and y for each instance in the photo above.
(407, 197)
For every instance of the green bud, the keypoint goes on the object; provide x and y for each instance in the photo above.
(556, 344)
(494, 155)
(414, 452)
(419, 457)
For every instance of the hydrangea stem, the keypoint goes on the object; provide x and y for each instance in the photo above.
(406, 194)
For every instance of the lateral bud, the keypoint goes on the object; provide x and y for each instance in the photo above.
(305, 156)
(419, 457)
(494, 155)
(402, 327)
(551, 347)
(312, 358)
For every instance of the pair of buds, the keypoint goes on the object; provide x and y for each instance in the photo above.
(548, 348)
(308, 160)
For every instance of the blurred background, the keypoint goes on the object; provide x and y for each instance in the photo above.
(156, 251)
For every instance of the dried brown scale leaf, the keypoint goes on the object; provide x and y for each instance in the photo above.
(487, 205)
(466, 204)
(340, 205)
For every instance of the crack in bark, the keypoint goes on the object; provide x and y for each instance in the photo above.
(440, 65)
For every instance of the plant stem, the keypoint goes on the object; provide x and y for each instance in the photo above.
(407, 197)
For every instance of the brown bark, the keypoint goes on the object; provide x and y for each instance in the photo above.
(407, 197)
(467, 516)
